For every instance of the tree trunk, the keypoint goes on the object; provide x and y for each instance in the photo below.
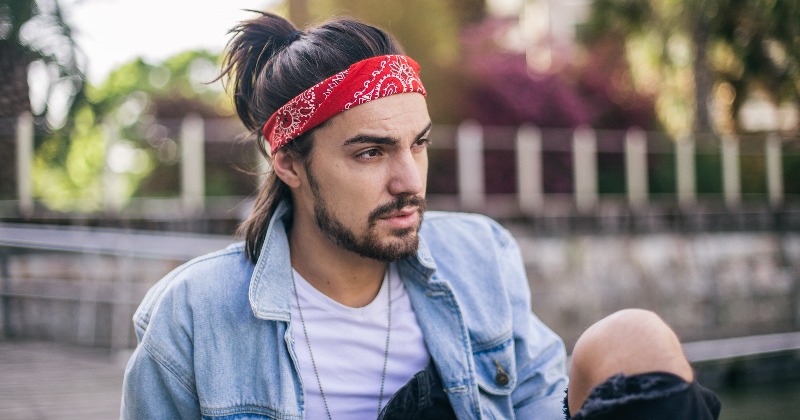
(14, 101)
(702, 77)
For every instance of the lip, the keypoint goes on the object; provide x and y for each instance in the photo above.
(401, 219)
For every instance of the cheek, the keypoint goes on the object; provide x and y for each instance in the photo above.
(422, 165)
(354, 195)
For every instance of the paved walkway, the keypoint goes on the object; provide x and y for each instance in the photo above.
(42, 381)
(45, 380)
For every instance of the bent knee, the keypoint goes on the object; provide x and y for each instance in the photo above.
(623, 329)
(630, 341)
(634, 324)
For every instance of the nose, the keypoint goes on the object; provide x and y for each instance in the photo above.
(408, 172)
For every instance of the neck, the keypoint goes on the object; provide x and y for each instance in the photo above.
(342, 275)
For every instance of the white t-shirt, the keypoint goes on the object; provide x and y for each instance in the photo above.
(349, 346)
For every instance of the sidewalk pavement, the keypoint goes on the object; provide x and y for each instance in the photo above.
(43, 381)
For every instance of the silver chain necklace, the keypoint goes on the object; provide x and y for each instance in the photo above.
(385, 352)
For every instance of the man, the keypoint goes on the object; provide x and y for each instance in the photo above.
(342, 302)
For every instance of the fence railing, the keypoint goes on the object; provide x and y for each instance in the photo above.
(533, 147)
(82, 285)
(541, 166)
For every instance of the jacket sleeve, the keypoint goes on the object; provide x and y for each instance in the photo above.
(159, 379)
(151, 390)
(540, 353)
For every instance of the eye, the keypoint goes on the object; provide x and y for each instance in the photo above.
(368, 154)
(423, 142)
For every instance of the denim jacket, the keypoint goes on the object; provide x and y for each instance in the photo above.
(214, 339)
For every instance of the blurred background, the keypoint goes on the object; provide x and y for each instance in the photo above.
(644, 153)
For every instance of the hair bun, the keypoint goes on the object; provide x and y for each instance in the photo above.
(294, 36)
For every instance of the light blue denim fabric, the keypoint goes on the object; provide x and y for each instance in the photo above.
(215, 342)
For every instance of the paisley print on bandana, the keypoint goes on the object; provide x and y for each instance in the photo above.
(364, 81)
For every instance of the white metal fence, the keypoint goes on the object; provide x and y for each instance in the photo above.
(531, 148)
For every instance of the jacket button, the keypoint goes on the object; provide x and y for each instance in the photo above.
(501, 378)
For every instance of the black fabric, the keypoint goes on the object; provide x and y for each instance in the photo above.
(651, 396)
(422, 397)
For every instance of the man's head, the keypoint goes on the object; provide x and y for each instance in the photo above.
(358, 176)
(363, 186)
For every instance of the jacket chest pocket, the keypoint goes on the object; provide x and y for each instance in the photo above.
(243, 416)
(245, 412)
(496, 374)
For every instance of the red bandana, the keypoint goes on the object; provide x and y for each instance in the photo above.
(364, 81)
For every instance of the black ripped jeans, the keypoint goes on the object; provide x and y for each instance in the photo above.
(651, 396)
(422, 397)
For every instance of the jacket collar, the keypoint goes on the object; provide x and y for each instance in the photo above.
(271, 285)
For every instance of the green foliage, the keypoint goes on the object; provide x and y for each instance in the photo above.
(185, 76)
(74, 184)
(113, 146)
(743, 47)
(762, 41)
(34, 40)
(35, 30)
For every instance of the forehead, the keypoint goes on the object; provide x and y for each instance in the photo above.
(394, 116)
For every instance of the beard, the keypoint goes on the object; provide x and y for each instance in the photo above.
(404, 242)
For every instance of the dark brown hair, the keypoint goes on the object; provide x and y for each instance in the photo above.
(267, 63)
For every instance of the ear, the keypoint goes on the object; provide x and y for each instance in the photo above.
(287, 168)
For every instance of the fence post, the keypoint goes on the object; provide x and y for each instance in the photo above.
(730, 171)
(685, 171)
(636, 167)
(529, 169)
(192, 164)
(774, 170)
(584, 163)
(25, 163)
(470, 166)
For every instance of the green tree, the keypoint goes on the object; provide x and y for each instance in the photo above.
(758, 48)
(34, 31)
(139, 106)
(696, 51)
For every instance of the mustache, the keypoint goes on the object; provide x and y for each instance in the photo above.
(396, 205)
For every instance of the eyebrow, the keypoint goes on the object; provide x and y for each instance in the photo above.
(367, 139)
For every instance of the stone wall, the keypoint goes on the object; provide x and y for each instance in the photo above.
(706, 285)
(86, 299)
